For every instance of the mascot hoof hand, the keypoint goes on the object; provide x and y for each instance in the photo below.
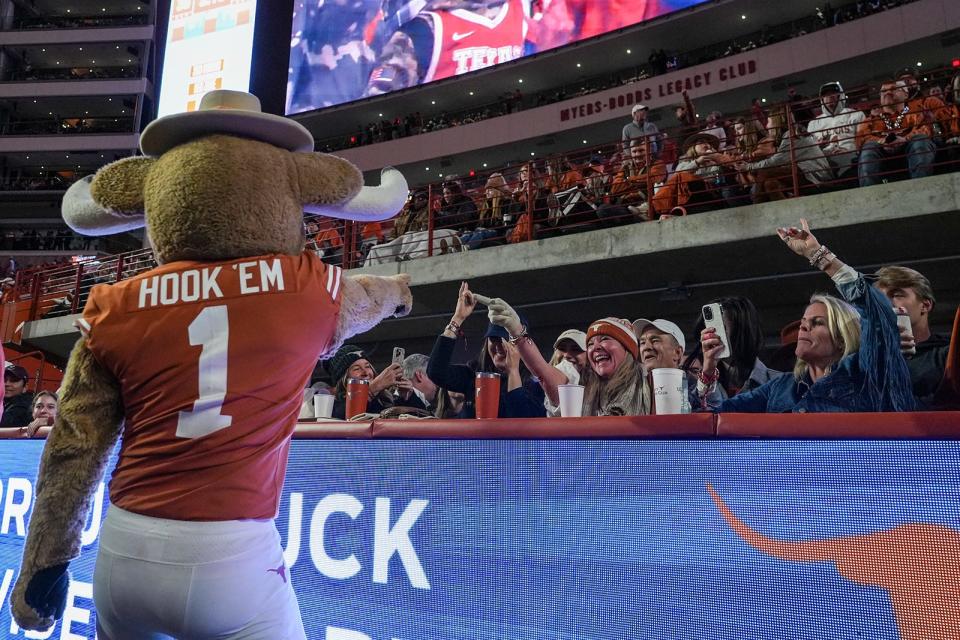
(47, 591)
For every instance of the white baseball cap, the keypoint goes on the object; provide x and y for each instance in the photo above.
(639, 107)
(664, 326)
(578, 337)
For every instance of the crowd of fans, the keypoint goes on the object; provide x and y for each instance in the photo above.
(766, 153)
(659, 62)
(847, 352)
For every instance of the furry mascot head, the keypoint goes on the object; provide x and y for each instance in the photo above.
(222, 192)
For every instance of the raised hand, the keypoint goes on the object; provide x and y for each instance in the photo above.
(466, 302)
(801, 241)
(712, 346)
(387, 378)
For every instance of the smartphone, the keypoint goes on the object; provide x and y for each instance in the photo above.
(713, 319)
(398, 355)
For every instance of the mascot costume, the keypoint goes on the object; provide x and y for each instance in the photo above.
(199, 365)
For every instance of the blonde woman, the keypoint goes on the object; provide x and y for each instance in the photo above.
(848, 359)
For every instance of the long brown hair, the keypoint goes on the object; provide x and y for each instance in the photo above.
(600, 393)
(340, 390)
(491, 210)
(748, 141)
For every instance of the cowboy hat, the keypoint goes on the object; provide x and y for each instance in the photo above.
(234, 113)
(710, 139)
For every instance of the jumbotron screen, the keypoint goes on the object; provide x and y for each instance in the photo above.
(588, 539)
(342, 51)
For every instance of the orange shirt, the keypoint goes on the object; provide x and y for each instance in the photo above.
(212, 359)
(372, 230)
(933, 109)
(875, 129)
(329, 235)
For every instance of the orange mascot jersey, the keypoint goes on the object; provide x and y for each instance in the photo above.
(212, 359)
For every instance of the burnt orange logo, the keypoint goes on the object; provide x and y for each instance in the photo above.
(917, 563)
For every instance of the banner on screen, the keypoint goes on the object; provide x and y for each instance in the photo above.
(592, 540)
(209, 46)
(346, 51)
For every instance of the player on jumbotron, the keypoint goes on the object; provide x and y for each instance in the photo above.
(449, 38)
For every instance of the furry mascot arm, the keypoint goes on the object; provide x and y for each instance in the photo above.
(366, 301)
(73, 462)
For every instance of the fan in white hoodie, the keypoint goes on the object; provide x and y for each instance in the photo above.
(835, 129)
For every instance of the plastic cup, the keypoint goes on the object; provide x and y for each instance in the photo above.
(487, 401)
(358, 396)
(323, 405)
(571, 400)
(668, 390)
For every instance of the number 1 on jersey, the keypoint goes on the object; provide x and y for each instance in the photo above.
(211, 331)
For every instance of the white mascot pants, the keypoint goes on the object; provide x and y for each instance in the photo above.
(157, 579)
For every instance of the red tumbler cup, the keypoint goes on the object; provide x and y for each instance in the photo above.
(358, 395)
(487, 401)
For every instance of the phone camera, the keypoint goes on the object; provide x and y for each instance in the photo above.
(707, 313)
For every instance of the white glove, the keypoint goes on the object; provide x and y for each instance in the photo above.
(501, 314)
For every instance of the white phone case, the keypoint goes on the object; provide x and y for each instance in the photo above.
(715, 322)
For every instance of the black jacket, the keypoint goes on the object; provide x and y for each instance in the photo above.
(525, 401)
(18, 410)
(927, 366)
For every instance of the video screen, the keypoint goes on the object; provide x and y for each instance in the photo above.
(589, 540)
(209, 46)
(344, 50)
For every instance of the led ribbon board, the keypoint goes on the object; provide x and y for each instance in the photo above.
(592, 540)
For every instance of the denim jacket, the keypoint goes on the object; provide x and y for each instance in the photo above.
(875, 378)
